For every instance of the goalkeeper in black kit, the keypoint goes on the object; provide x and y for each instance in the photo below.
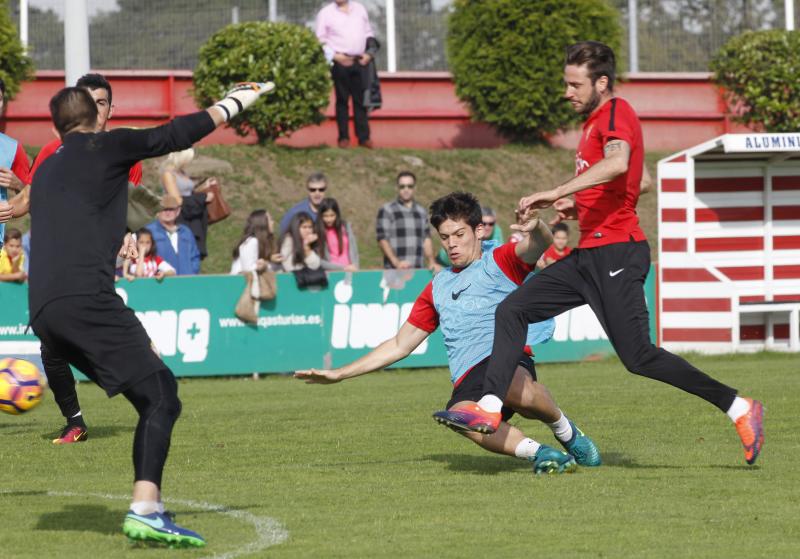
(78, 210)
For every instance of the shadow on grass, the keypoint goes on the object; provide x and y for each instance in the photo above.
(101, 432)
(735, 467)
(619, 460)
(82, 518)
(484, 465)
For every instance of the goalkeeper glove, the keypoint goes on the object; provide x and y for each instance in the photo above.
(241, 96)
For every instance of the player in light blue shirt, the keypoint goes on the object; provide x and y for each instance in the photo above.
(462, 300)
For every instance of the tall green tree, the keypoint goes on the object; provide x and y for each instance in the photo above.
(15, 66)
(507, 59)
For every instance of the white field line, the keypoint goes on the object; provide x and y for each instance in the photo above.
(269, 532)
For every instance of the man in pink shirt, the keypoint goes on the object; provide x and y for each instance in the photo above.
(348, 41)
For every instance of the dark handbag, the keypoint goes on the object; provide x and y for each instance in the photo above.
(308, 277)
(218, 209)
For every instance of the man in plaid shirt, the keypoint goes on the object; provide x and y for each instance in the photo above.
(402, 229)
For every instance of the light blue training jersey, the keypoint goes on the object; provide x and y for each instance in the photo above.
(8, 149)
(466, 302)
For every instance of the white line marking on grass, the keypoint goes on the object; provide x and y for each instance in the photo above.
(270, 532)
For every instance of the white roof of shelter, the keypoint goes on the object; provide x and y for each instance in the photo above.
(763, 147)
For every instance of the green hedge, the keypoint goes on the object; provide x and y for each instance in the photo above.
(760, 72)
(507, 58)
(289, 55)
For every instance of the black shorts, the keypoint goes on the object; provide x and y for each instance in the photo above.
(471, 386)
(99, 336)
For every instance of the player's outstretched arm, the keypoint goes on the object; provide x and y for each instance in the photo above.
(21, 203)
(390, 351)
(615, 160)
(536, 238)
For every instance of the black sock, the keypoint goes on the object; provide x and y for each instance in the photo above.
(76, 421)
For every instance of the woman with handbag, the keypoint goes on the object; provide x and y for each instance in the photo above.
(256, 247)
(299, 252)
(254, 256)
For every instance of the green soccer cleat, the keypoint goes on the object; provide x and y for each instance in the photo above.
(548, 460)
(159, 527)
(582, 448)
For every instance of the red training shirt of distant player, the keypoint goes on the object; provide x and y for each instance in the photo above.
(607, 212)
(134, 176)
(553, 254)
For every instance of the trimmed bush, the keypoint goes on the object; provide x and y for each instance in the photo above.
(15, 66)
(507, 59)
(760, 72)
(287, 54)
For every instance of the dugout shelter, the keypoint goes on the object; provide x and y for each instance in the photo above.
(729, 245)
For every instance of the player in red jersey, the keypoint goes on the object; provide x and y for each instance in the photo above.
(609, 268)
(559, 249)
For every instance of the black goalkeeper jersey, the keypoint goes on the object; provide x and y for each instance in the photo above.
(79, 202)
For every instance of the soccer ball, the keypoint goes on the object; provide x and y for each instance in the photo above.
(21, 386)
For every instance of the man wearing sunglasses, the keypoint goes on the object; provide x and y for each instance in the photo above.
(402, 229)
(316, 186)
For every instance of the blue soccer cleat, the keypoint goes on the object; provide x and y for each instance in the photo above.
(582, 448)
(159, 527)
(548, 460)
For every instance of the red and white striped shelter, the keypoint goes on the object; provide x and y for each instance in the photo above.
(729, 252)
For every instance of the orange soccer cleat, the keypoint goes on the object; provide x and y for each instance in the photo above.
(72, 434)
(751, 430)
(470, 417)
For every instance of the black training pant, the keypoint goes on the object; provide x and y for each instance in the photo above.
(156, 399)
(61, 382)
(348, 81)
(610, 279)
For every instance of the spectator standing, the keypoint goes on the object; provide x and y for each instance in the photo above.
(316, 185)
(346, 35)
(336, 243)
(256, 248)
(402, 229)
(174, 241)
(148, 264)
(12, 259)
(558, 249)
(297, 246)
(178, 184)
(491, 232)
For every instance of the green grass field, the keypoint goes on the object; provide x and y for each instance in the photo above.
(359, 469)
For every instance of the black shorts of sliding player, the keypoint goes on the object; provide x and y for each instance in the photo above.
(470, 389)
(610, 279)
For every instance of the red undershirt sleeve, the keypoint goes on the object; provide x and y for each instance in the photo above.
(512, 265)
(423, 314)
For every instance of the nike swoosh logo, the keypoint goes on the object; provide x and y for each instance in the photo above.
(77, 437)
(156, 522)
(615, 272)
(457, 294)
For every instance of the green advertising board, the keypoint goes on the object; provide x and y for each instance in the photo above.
(192, 323)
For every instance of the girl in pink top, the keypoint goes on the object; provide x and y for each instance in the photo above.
(337, 244)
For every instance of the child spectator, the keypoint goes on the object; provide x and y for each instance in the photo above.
(336, 244)
(297, 247)
(516, 236)
(149, 264)
(558, 249)
(12, 259)
(256, 248)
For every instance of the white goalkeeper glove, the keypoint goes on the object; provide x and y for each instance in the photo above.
(241, 96)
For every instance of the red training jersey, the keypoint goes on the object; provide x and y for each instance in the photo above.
(607, 212)
(553, 254)
(134, 176)
(21, 167)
